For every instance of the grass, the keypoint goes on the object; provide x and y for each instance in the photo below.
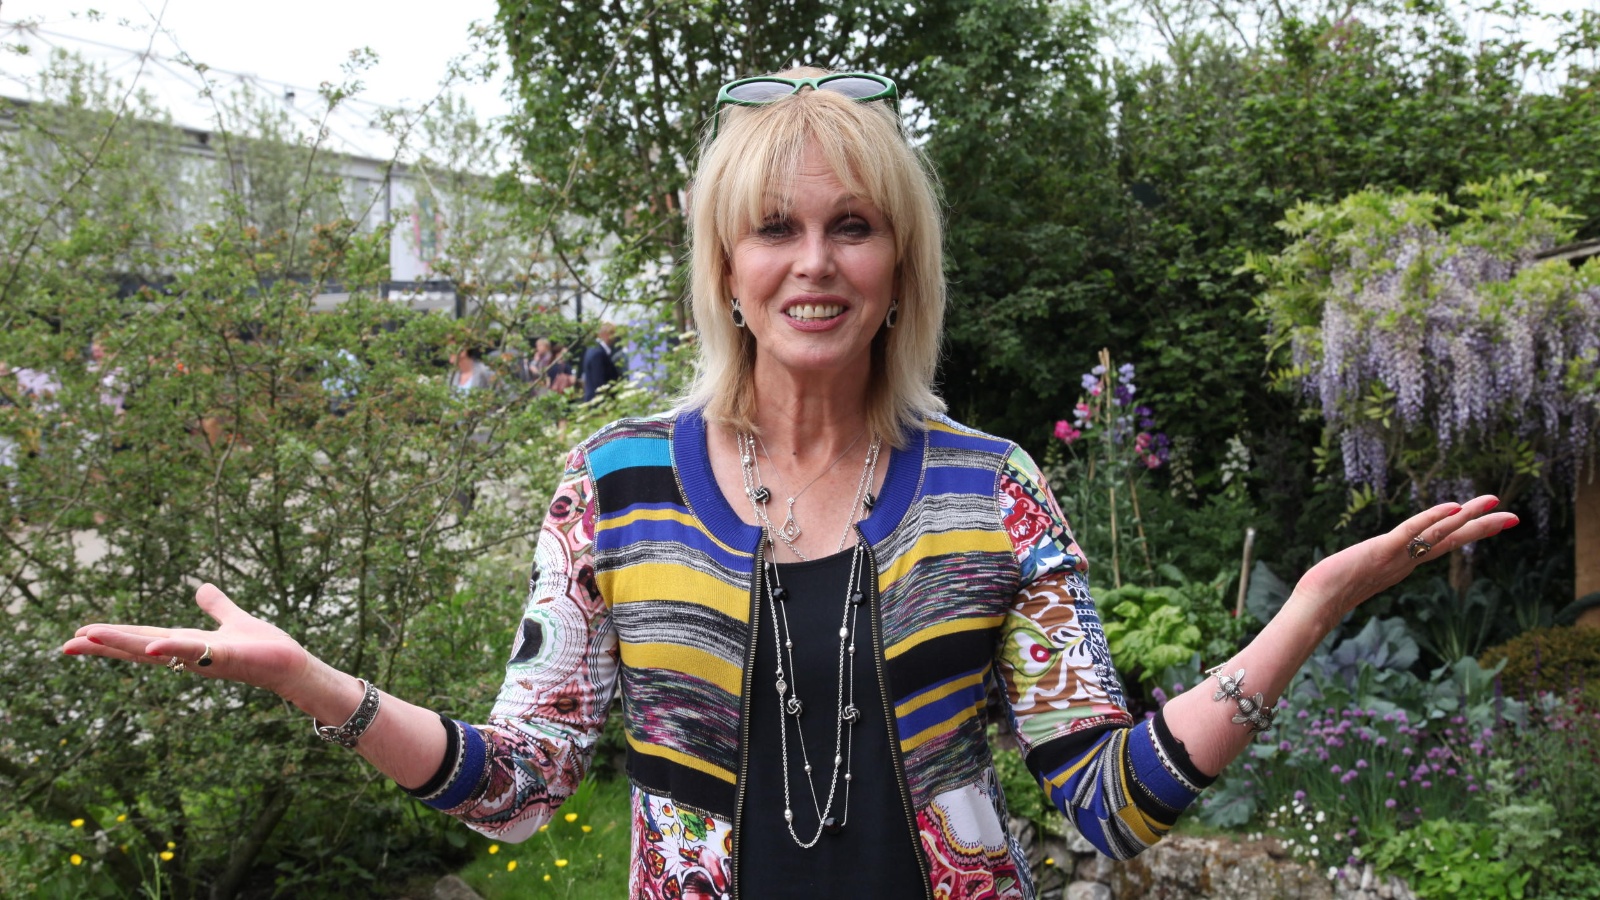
(581, 855)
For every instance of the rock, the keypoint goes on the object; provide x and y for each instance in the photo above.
(1096, 868)
(1087, 890)
(452, 888)
(1191, 868)
(1077, 843)
(1367, 877)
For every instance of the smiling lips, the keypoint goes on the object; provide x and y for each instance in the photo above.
(814, 312)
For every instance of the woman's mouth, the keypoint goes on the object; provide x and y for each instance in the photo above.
(814, 312)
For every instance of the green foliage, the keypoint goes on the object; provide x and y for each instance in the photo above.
(1440, 858)
(1406, 316)
(313, 464)
(1555, 659)
(1153, 629)
(582, 855)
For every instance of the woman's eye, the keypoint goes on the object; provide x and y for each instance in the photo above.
(773, 228)
(855, 227)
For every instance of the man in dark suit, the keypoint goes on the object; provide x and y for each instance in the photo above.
(599, 364)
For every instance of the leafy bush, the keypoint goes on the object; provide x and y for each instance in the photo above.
(1441, 858)
(1555, 659)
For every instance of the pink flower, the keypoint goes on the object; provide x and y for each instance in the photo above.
(1152, 461)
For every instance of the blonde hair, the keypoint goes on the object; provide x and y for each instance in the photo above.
(758, 148)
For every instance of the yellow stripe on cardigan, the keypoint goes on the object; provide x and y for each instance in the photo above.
(680, 516)
(1134, 818)
(648, 582)
(940, 729)
(686, 660)
(955, 626)
(947, 543)
(682, 759)
(1069, 771)
(923, 699)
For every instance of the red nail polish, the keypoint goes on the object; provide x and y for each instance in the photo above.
(1455, 510)
(153, 653)
(1493, 502)
(1511, 524)
(73, 652)
(94, 640)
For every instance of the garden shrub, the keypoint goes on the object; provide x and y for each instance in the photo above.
(1554, 659)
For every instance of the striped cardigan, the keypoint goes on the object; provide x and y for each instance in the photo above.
(643, 581)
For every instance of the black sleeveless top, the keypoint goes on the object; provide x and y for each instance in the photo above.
(875, 853)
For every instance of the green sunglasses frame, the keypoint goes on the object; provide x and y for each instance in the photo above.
(890, 92)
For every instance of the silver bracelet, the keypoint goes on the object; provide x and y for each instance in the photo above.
(1254, 713)
(347, 734)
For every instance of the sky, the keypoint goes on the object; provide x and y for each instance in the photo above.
(301, 43)
(289, 42)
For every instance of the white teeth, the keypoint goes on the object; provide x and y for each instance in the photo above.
(815, 310)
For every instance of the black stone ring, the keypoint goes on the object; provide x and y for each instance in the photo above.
(205, 658)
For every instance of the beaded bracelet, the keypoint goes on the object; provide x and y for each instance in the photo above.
(347, 734)
(1253, 711)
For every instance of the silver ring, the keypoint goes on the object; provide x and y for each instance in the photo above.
(177, 665)
(205, 658)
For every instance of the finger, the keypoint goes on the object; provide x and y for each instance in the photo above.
(82, 647)
(97, 628)
(1476, 530)
(133, 642)
(217, 605)
(1422, 526)
(190, 650)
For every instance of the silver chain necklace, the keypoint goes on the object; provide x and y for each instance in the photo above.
(846, 714)
(790, 528)
(760, 495)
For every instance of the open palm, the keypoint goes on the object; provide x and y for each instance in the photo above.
(243, 647)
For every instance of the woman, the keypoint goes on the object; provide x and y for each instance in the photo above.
(805, 578)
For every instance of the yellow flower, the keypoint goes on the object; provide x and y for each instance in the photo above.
(572, 817)
(63, 742)
(122, 817)
(511, 865)
(547, 876)
(166, 855)
(588, 828)
(76, 859)
(542, 828)
(77, 823)
(171, 846)
(599, 856)
(561, 863)
(1049, 860)
(494, 848)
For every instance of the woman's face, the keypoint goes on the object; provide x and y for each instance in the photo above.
(815, 281)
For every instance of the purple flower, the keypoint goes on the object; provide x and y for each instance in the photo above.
(1299, 796)
(1390, 803)
(1335, 769)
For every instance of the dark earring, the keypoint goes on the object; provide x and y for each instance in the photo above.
(894, 314)
(737, 313)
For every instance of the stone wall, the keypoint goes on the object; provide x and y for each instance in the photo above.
(1195, 868)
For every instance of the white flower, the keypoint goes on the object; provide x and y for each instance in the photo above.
(1333, 872)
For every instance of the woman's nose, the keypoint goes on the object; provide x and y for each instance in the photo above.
(815, 255)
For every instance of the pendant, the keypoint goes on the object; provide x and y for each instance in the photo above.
(832, 825)
(760, 494)
(793, 706)
(790, 529)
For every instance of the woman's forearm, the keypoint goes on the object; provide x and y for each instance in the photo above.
(405, 742)
(1205, 724)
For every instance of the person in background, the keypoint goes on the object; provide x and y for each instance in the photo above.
(470, 374)
(599, 362)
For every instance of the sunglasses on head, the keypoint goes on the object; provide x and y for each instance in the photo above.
(862, 87)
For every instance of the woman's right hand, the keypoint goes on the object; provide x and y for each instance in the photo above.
(243, 647)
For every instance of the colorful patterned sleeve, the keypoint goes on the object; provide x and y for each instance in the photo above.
(507, 778)
(1122, 785)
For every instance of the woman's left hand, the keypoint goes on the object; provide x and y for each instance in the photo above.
(1348, 578)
